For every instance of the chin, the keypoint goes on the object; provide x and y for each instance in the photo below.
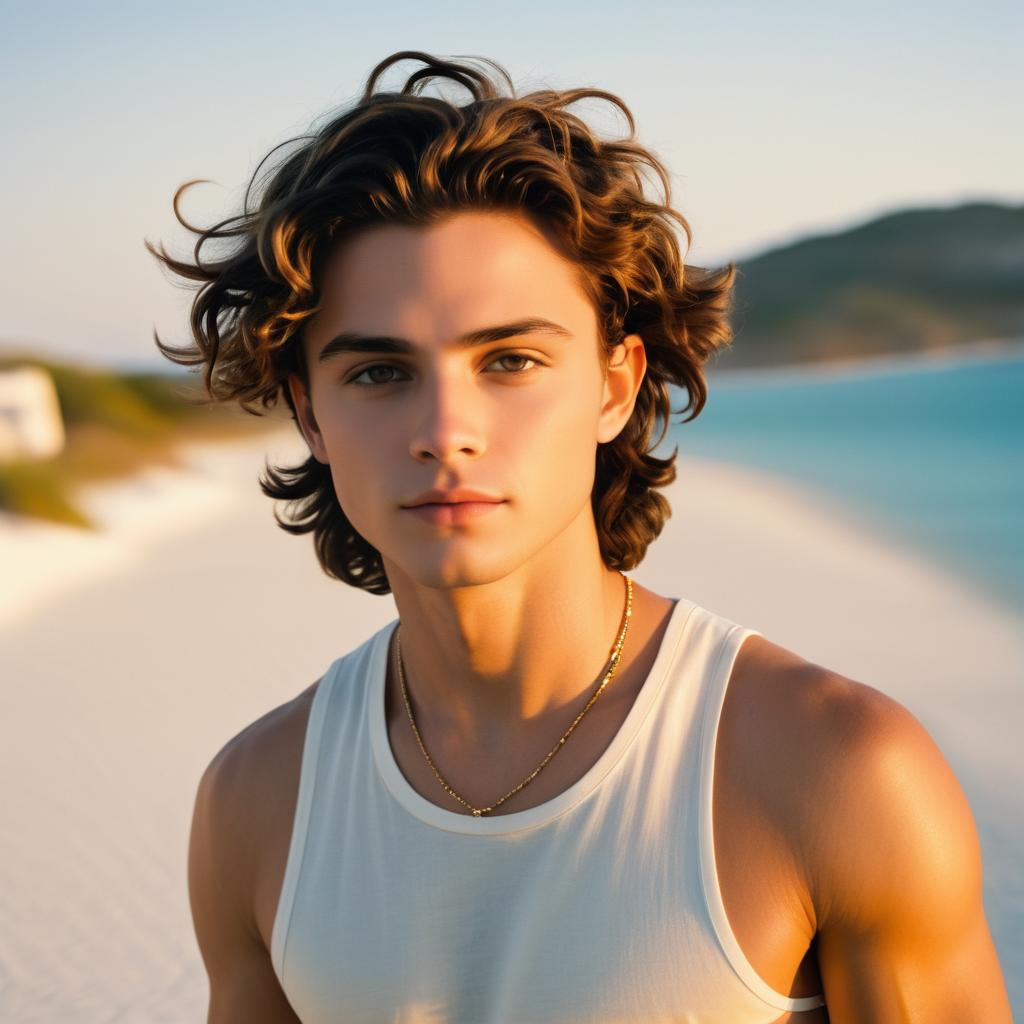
(446, 570)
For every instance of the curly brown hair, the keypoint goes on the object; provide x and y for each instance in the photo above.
(411, 158)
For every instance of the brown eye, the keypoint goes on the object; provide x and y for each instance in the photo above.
(371, 369)
(515, 355)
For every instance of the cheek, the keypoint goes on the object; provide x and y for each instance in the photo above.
(355, 455)
(554, 443)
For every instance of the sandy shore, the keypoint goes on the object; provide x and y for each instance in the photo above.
(126, 660)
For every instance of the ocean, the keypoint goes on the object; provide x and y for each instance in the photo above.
(929, 450)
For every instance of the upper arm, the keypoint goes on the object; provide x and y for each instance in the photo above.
(902, 933)
(221, 862)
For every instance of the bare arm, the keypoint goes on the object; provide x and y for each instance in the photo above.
(243, 985)
(902, 928)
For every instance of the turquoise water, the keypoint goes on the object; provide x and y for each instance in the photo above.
(930, 452)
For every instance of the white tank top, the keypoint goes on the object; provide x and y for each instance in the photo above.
(599, 905)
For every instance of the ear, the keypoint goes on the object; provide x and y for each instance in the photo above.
(307, 421)
(626, 368)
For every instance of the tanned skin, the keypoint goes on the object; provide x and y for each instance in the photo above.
(847, 854)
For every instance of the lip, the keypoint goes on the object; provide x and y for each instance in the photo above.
(455, 495)
(452, 513)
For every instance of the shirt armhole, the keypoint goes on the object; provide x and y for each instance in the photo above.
(714, 700)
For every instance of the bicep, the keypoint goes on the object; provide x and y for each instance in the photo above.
(902, 928)
(875, 977)
(244, 988)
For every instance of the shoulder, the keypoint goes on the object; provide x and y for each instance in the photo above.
(252, 758)
(236, 807)
(253, 765)
(871, 807)
(245, 794)
(817, 718)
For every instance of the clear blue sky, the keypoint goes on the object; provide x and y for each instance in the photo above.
(776, 120)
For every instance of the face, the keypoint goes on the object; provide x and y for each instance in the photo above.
(461, 355)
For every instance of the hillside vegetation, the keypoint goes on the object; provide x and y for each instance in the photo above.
(115, 424)
(910, 281)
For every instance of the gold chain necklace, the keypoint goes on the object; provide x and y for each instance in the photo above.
(613, 665)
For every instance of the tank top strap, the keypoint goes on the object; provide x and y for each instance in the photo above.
(303, 806)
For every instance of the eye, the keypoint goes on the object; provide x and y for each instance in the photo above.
(369, 369)
(390, 367)
(516, 355)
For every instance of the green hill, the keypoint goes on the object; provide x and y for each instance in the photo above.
(909, 281)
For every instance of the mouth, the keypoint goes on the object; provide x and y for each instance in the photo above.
(453, 513)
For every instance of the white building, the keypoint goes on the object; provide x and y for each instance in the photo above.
(31, 426)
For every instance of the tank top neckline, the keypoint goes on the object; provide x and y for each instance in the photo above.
(540, 814)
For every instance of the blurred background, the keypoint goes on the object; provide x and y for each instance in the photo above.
(853, 487)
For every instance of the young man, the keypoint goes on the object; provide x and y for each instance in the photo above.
(544, 792)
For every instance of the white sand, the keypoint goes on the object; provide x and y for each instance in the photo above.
(136, 655)
(41, 560)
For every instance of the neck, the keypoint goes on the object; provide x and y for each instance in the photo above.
(494, 660)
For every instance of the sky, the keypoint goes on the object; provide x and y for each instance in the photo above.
(776, 121)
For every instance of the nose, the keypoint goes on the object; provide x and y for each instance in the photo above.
(447, 419)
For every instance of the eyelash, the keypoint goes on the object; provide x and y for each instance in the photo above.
(392, 366)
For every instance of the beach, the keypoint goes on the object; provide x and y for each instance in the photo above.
(127, 659)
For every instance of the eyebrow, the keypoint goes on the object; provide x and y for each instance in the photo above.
(350, 341)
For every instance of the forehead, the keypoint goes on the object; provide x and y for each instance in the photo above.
(466, 270)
